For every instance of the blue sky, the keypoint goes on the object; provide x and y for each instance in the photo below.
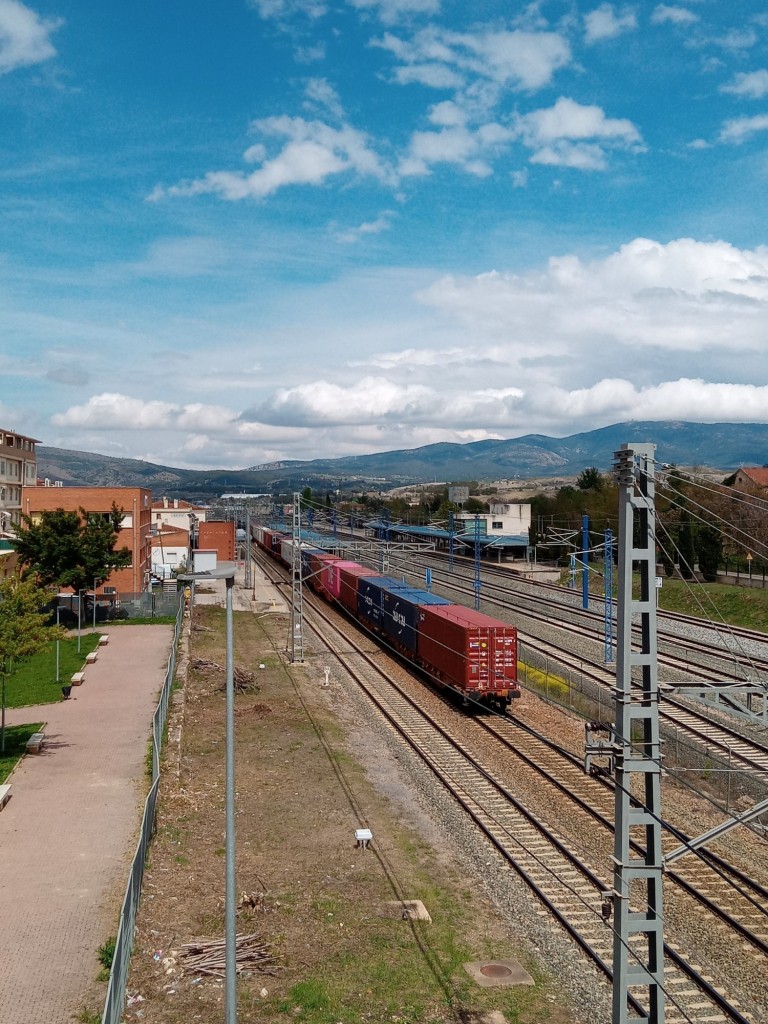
(238, 232)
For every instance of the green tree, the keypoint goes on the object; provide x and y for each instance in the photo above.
(686, 545)
(709, 547)
(24, 628)
(590, 480)
(71, 549)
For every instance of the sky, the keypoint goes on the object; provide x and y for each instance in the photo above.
(244, 231)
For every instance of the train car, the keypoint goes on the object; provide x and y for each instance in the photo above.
(392, 608)
(470, 652)
(348, 584)
(332, 577)
(314, 573)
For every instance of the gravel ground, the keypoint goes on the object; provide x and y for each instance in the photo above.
(733, 968)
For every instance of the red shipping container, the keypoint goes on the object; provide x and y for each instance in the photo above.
(317, 564)
(467, 649)
(349, 575)
(332, 576)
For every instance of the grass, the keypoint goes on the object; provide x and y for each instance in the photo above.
(721, 602)
(16, 737)
(34, 680)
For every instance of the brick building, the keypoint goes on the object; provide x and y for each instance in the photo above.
(135, 503)
(219, 537)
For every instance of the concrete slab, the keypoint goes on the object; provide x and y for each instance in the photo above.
(498, 973)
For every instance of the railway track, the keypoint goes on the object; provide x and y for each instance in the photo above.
(561, 878)
(570, 888)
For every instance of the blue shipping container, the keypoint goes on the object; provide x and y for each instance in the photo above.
(369, 597)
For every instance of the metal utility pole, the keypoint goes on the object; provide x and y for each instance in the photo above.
(608, 581)
(248, 579)
(585, 561)
(297, 591)
(450, 541)
(638, 944)
(477, 563)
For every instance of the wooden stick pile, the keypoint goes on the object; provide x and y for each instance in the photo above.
(251, 954)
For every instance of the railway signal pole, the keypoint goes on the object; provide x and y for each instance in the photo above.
(638, 942)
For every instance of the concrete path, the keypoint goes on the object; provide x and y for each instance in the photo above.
(69, 831)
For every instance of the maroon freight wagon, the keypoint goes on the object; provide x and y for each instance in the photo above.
(470, 652)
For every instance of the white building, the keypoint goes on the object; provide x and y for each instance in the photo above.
(511, 519)
(18, 468)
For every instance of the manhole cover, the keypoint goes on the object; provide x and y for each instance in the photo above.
(495, 971)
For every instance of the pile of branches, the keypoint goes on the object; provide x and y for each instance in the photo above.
(251, 954)
(244, 679)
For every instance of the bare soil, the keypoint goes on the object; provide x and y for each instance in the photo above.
(308, 776)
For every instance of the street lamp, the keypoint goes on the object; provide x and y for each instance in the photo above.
(79, 605)
(229, 897)
(58, 641)
(94, 603)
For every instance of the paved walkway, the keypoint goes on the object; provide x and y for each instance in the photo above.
(69, 830)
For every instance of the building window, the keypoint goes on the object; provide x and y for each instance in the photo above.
(497, 526)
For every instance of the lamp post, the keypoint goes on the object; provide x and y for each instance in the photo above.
(58, 663)
(230, 984)
(79, 605)
(94, 603)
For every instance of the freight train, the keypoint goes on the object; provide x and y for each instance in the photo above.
(457, 647)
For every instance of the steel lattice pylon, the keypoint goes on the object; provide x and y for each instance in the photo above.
(297, 592)
(638, 947)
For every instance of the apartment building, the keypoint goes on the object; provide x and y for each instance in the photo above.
(18, 469)
(135, 532)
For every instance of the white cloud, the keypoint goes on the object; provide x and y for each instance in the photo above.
(510, 59)
(685, 296)
(114, 411)
(283, 9)
(737, 39)
(314, 152)
(753, 85)
(741, 128)
(366, 401)
(700, 401)
(606, 23)
(391, 11)
(569, 134)
(25, 38)
(663, 14)
(320, 93)
(371, 227)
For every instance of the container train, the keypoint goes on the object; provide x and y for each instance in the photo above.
(459, 648)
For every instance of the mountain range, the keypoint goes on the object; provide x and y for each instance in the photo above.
(722, 446)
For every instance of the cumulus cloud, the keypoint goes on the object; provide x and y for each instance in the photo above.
(510, 59)
(314, 152)
(569, 134)
(605, 22)
(663, 14)
(685, 399)
(25, 37)
(741, 128)
(321, 94)
(114, 411)
(686, 295)
(753, 85)
(322, 402)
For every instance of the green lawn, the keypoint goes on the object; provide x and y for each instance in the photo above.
(34, 680)
(721, 602)
(16, 737)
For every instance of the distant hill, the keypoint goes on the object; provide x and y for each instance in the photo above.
(724, 446)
